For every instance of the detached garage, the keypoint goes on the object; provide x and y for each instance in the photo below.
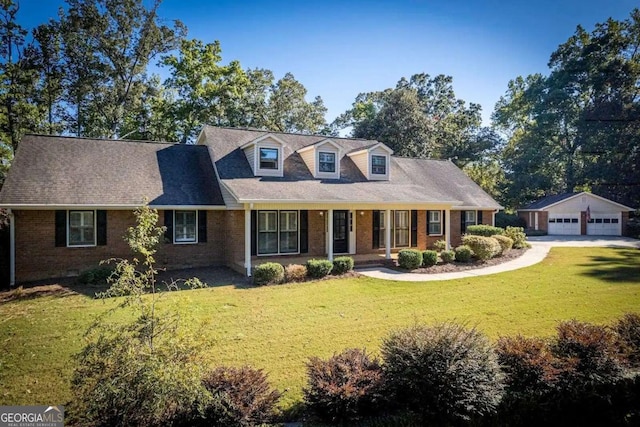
(577, 214)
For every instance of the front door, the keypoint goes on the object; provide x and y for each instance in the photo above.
(340, 232)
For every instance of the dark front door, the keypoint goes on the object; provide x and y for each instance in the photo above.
(340, 232)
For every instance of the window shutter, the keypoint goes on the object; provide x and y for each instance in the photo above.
(168, 222)
(428, 217)
(479, 217)
(463, 225)
(101, 232)
(254, 232)
(414, 228)
(61, 228)
(376, 229)
(202, 226)
(304, 232)
(444, 220)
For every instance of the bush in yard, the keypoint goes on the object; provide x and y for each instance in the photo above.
(95, 276)
(448, 256)
(518, 236)
(628, 330)
(504, 220)
(429, 258)
(345, 387)
(295, 273)
(319, 268)
(484, 230)
(342, 264)
(439, 245)
(506, 243)
(463, 253)
(409, 259)
(484, 248)
(448, 374)
(240, 397)
(268, 273)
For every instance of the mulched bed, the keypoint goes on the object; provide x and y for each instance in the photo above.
(462, 266)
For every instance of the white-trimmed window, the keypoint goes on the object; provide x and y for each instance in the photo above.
(185, 226)
(82, 228)
(469, 218)
(288, 232)
(378, 165)
(326, 162)
(435, 223)
(401, 228)
(269, 158)
(267, 232)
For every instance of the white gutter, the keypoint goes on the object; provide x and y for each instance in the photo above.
(111, 207)
(12, 248)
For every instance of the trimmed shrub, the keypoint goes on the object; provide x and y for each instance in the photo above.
(463, 253)
(447, 374)
(448, 256)
(295, 273)
(268, 273)
(342, 264)
(504, 220)
(95, 276)
(409, 259)
(484, 230)
(628, 330)
(517, 235)
(506, 243)
(439, 245)
(429, 258)
(319, 268)
(241, 397)
(345, 387)
(483, 248)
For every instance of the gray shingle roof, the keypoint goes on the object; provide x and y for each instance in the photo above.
(411, 180)
(50, 170)
(547, 201)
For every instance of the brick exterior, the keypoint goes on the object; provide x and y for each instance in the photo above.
(364, 233)
(543, 220)
(625, 222)
(317, 235)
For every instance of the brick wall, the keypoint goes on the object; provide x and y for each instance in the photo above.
(364, 233)
(625, 221)
(37, 257)
(317, 235)
(456, 234)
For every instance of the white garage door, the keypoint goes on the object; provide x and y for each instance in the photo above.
(564, 224)
(605, 225)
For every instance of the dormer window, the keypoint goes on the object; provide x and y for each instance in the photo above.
(327, 162)
(378, 165)
(269, 158)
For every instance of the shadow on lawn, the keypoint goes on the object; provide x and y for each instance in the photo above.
(60, 288)
(624, 267)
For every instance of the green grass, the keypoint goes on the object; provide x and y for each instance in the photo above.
(277, 328)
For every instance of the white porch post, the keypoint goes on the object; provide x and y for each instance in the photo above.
(247, 239)
(12, 249)
(447, 221)
(330, 234)
(387, 234)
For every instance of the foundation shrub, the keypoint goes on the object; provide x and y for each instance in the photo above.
(268, 273)
(484, 230)
(439, 245)
(342, 265)
(409, 259)
(429, 258)
(319, 268)
(484, 248)
(295, 273)
(506, 243)
(518, 236)
(463, 253)
(448, 256)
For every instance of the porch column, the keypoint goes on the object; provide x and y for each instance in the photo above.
(247, 240)
(330, 234)
(387, 234)
(447, 231)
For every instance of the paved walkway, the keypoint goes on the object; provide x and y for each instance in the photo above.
(540, 247)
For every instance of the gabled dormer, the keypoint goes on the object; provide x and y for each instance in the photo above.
(265, 155)
(322, 159)
(374, 162)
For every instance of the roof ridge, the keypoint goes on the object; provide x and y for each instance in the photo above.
(142, 141)
(250, 129)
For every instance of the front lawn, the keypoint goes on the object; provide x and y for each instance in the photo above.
(277, 328)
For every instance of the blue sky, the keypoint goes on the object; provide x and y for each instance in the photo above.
(338, 49)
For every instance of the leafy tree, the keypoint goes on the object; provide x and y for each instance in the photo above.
(420, 117)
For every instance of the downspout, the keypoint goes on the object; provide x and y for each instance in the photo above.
(12, 248)
(495, 211)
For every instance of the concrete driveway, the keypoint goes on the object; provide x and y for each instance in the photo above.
(581, 241)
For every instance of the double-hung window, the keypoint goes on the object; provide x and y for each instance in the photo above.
(378, 165)
(469, 218)
(82, 228)
(326, 162)
(267, 232)
(277, 232)
(288, 232)
(268, 158)
(401, 224)
(435, 223)
(185, 227)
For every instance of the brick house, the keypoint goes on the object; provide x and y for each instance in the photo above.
(235, 198)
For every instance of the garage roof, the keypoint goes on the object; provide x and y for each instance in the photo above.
(553, 200)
